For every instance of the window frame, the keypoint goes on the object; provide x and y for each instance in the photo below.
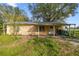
(41, 28)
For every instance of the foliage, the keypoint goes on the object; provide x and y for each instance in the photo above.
(74, 33)
(1, 26)
(52, 12)
(42, 47)
(49, 46)
(11, 14)
(7, 39)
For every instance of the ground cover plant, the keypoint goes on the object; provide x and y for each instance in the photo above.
(74, 33)
(48, 46)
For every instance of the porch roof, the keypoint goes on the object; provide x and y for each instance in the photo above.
(41, 23)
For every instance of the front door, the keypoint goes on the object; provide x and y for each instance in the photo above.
(50, 30)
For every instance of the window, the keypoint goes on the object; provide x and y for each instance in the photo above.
(41, 28)
(51, 27)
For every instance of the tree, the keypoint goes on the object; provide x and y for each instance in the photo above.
(12, 15)
(1, 25)
(9, 13)
(49, 12)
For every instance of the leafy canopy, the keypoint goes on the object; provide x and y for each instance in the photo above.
(11, 14)
(52, 12)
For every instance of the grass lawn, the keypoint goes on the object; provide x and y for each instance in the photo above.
(36, 47)
(76, 32)
(6, 39)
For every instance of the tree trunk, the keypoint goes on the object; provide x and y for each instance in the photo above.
(4, 29)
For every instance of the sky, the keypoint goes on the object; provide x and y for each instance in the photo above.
(71, 20)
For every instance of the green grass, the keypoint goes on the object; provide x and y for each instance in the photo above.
(34, 47)
(76, 32)
(49, 47)
(11, 51)
(7, 39)
(42, 47)
(37, 47)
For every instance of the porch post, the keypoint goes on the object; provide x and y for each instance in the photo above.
(38, 30)
(54, 30)
(69, 31)
(74, 30)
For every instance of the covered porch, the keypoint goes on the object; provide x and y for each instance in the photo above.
(54, 29)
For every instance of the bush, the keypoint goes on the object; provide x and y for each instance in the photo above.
(42, 46)
(48, 47)
(37, 47)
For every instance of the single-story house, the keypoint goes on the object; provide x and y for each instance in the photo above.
(35, 28)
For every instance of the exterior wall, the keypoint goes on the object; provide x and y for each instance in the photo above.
(23, 29)
(9, 30)
(26, 30)
(29, 30)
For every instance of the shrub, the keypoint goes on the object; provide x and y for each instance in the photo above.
(38, 47)
(42, 46)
